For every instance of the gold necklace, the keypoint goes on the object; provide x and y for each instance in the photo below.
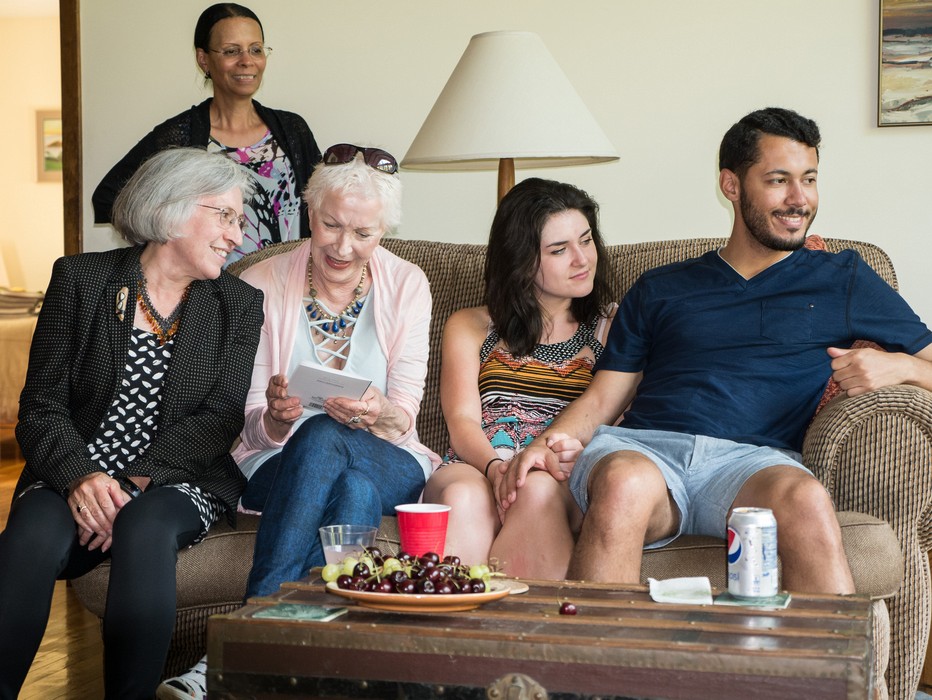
(333, 323)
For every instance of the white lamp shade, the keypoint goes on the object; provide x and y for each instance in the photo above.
(507, 98)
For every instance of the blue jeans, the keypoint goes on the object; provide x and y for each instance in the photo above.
(328, 474)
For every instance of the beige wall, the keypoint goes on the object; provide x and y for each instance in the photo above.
(664, 79)
(31, 234)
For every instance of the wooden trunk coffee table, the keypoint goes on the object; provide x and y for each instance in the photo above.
(621, 644)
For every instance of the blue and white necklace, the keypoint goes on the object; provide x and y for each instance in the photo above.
(333, 325)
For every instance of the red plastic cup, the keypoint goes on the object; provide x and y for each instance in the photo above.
(423, 527)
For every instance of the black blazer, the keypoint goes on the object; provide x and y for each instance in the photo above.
(77, 360)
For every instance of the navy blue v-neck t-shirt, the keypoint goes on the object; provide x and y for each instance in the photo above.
(746, 360)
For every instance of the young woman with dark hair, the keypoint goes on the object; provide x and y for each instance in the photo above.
(510, 367)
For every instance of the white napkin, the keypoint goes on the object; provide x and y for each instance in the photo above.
(689, 591)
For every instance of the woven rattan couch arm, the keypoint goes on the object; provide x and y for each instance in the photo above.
(874, 454)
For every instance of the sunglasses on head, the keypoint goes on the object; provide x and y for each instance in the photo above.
(374, 157)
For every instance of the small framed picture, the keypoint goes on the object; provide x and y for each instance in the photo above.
(48, 146)
(905, 85)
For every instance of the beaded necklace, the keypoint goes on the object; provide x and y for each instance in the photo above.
(165, 328)
(333, 323)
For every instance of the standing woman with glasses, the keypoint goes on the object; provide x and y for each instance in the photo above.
(339, 300)
(135, 392)
(276, 147)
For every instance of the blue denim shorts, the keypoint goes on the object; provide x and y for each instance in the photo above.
(703, 474)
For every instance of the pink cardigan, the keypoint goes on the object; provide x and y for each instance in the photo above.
(401, 308)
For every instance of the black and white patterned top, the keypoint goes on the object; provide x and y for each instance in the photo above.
(132, 421)
(554, 353)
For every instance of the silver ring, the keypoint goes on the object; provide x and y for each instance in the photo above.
(81, 508)
(354, 420)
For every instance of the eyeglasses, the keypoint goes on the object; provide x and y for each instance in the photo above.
(374, 157)
(228, 216)
(255, 51)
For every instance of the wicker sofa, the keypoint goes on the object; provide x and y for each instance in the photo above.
(873, 453)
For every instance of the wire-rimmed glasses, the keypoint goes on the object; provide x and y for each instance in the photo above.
(228, 216)
(254, 51)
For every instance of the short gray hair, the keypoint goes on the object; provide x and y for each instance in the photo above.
(358, 178)
(162, 193)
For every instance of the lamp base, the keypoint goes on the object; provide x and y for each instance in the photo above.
(506, 176)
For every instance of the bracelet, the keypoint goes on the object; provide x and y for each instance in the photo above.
(494, 459)
(128, 486)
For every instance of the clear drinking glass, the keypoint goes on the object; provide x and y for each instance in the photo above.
(341, 541)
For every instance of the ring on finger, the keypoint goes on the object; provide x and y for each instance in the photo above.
(354, 420)
(367, 409)
(80, 508)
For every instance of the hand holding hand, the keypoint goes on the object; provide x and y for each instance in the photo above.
(566, 448)
(536, 456)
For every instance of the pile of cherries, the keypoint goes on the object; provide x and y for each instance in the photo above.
(404, 573)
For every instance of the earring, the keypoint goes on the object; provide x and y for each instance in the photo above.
(207, 75)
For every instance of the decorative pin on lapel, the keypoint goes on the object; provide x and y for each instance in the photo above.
(121, 298)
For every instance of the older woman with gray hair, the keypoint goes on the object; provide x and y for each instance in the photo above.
(135, 392)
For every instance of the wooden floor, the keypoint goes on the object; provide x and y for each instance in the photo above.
(70, 660)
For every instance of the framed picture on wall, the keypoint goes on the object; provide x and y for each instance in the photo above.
(48, 145)
(905, 85)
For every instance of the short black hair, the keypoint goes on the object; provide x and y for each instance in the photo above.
(513, 259)
(215, 13)
(740, 146)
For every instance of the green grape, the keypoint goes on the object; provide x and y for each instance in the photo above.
(389, 565)
(331, 571)
(349, 563)
(479, 571)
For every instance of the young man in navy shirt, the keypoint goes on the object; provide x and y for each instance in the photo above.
(718, 364)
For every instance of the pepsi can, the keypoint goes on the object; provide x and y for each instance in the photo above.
(752, 553)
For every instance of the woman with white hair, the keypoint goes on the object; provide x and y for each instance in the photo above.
(135, 392)
(342, 301)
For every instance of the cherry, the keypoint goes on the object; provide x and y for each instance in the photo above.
(568, 608)
(478, 585)
(362, 570)
(344, 581)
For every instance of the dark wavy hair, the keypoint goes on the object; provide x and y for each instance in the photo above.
(215, 13)
(513, 259)
(740, 145)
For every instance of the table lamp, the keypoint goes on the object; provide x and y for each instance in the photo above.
(507, 104)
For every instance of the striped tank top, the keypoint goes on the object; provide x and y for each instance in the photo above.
(520, 396)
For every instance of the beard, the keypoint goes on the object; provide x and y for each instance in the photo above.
(759, 225)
